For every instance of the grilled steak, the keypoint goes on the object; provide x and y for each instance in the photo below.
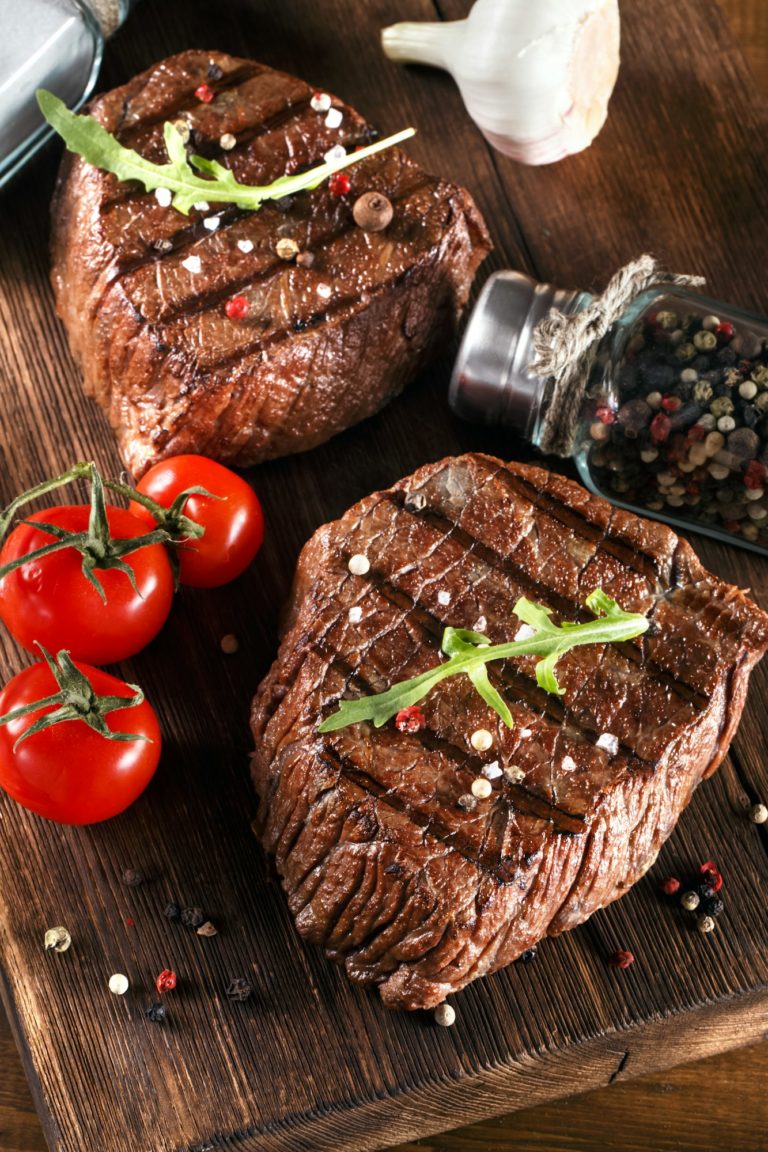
(382, 866)
(322, 346)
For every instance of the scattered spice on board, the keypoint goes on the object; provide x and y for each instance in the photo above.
(621, 959)
(239, 989)
(156, 1012)
(132, 878)
(166, 981)
(192, 917)
(57, 939)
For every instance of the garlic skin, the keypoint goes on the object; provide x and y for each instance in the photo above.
(535, 77)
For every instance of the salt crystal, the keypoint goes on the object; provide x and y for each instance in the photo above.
(480, 624)
(338, 152)
(245, 245)
(568, 764)
(524, 632)
(609, 742)
(334, 118)
(443, 598)
(192, 264)
(320, 102)
(163, 197)
(492, 771)
(227, 141)
(211, 223)
(355, 615)
(526, 732)
(324, 290)
(201, 206)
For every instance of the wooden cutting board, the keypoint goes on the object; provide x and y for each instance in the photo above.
(310, 1062)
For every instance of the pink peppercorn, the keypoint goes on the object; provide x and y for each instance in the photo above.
(605, 415)
(339, 184)
(661, 426)
(670, 886)
(724, 332)
(621, 959)
(410, 719)
(670, 403)
(237, 308)
(204, 93)
(166, 981)
(711, 875)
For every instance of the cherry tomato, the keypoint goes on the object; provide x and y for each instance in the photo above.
(49, 600)
(234, 524)
(69, 772)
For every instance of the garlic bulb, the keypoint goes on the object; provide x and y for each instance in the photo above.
(535, 77)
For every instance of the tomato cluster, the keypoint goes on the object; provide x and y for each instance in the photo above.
(95, 583)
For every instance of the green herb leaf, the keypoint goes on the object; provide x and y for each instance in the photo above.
(85, 136)
(469, 652)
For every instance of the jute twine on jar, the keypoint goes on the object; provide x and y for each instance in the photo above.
(565, 346)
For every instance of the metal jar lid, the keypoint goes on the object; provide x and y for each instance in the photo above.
(491, 381)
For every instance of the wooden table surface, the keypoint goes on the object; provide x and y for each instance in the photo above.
(711, 1106)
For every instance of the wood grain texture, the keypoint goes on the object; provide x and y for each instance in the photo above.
(310, 1062)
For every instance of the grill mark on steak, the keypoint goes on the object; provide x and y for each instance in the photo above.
(575, 521)
(186, 102)
(566, 607)
(520, 682)
(207, 300)
(504, 872)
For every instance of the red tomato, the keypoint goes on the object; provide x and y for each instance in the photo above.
(69, 772)
(49, 600)
(234, 524)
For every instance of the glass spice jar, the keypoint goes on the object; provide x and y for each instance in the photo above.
(670, 418)
(53, 44)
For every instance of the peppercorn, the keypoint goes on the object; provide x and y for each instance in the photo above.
(711, 874)
(685, 352)
(192, 917)
(172, 911)
(528, 955)
(410, 719)
(339, 184)
(372, 212)
(166, 981)
(690, 901)
(621, 959)
(132, 878)
(705, 340)
(444, 1015)
(758, 813)
(712, 906)
(239, 989)
(670, 886)
(156, 1012)
(721, 406)
(705, 924)
(702, 391)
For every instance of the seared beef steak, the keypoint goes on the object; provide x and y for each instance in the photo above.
(142, 289)
(381, 865)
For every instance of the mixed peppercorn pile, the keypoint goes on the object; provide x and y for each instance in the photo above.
(686, 432)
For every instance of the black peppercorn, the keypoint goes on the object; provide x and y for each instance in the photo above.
(132, 877)
(239, 989)
(172, 911)
(712, 906)
(528, 955)
(192, 917)
(156, 1012)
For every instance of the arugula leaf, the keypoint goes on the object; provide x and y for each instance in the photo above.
(88, 138)
(469, 652)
